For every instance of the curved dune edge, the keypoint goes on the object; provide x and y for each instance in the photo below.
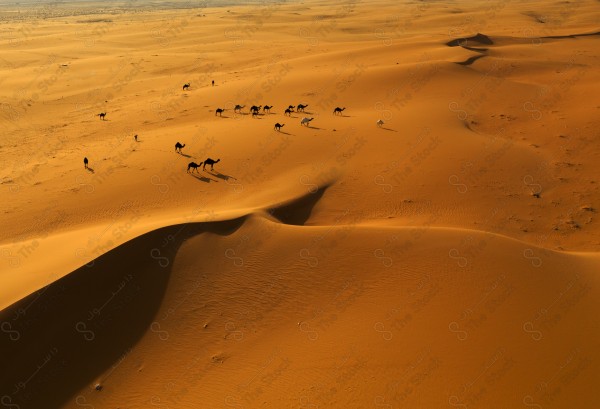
(59, 254)
(55, 255)
(219, 299)
(484, 40)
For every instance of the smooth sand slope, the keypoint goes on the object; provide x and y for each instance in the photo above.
(448, 258)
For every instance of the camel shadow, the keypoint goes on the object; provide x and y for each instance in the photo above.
(185, 154)
(222, 116)
(314, 127)
(221, 176)
(389, 129)
(203, 179)
(285, 133)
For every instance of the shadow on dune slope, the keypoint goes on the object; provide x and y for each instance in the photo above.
(298, 211)
(464, 42)
(62, 337)
(470, 60)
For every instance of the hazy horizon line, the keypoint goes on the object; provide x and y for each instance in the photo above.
(48, 5)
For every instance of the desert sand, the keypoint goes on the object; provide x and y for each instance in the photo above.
(449, 257)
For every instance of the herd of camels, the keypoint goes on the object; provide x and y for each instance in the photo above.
(254, 111)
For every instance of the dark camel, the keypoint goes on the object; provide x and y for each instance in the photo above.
(255, 109)
(178, 147)
(267, 108)
(186, 86)
(238, 108)
(219, 111)
(194, 166)
(301, 107)
(338, 111)
(102, 115)
(210, 162)
(288, 112)
(278, 126)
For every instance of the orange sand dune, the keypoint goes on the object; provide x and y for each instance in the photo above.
(253, 312)
(447, 258)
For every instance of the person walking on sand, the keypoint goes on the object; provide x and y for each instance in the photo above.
(85, 162)
(213, 83)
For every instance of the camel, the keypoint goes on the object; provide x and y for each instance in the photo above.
(379, 123)
(267, 108)
(219, 111)
(186, 86)
(178, 147)
(288, 112)
(338, 111)
(278, 126)
(102, 115)
(85, 162)
(255, 110)
(301, 107)
(291, 107)
(193, 166)
(305, 121)
(238, 108)
(210, 162)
